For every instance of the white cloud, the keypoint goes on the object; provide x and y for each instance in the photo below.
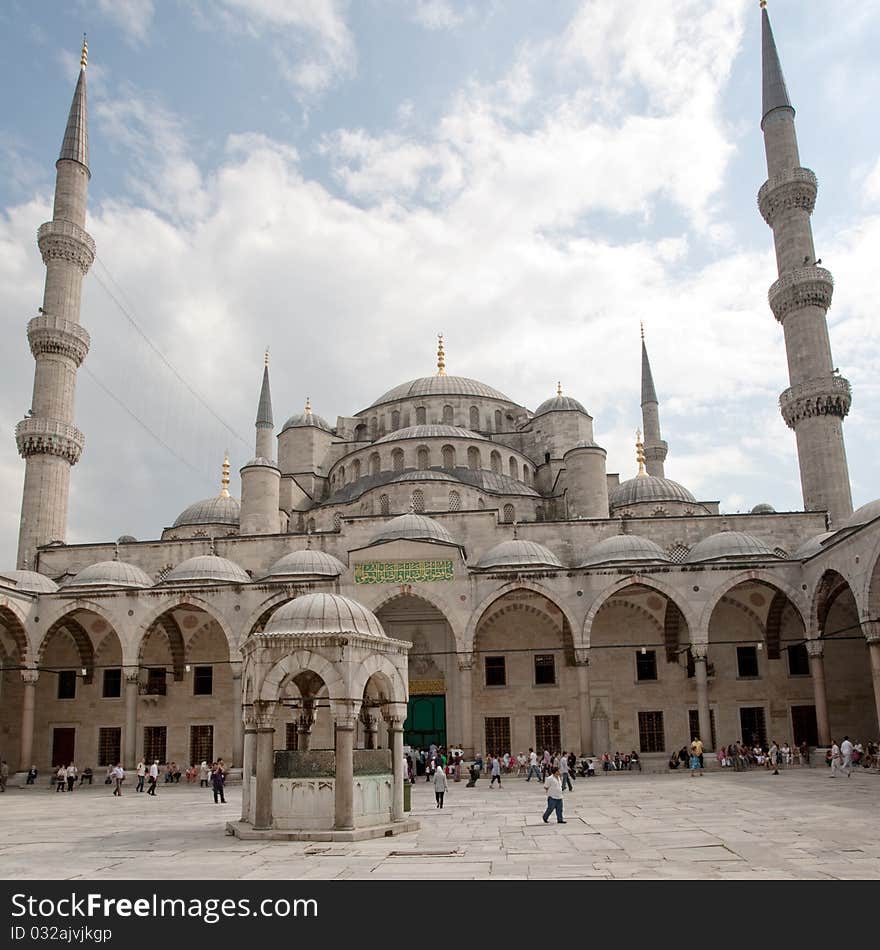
(133, 17)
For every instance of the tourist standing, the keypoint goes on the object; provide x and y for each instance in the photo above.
(61, 779)
(835, 759)
(203, 775)
(565, 772)
(71, 777)
(31, 776)
(440, 785)
(141, 774)
(154, 777)
(496, 770)
(774, 756)
(846, 752)
(554, 796)
(697, 749)
(218, 780)
(119, 778)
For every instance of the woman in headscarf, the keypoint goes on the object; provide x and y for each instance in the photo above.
(440, 785)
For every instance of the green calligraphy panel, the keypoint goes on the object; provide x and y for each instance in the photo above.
(403, 572)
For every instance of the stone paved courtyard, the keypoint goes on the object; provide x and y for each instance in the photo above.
(801, 825)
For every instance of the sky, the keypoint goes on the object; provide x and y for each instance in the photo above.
(342, 181)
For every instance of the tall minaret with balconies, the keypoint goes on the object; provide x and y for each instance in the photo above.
(818, 399)
(47, 439)
(655, 447)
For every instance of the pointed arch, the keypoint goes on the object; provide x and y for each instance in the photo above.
(483, 607)
(766, 578)
(80, 637)
(294, 664)
(162, 615)
(12, 619)
(377, 665)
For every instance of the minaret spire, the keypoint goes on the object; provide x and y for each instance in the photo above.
(818, 399)
(655, 449)
(265, 425)
(47, 438)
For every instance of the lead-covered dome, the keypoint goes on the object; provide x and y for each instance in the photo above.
(649, 488)
(223, 509)
(305, 419)
(423, 475)
(863, 515)
(813, 546)
(519, 554)
(306, 563)
(730, 545)
(110, 574)
(440, 386)
(624, 548)
(323, 613)
(413, 527)
(560, 404)
(31, 582)
(430, 432)
(763, 509)
(206, 568)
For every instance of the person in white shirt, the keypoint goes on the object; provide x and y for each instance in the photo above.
(554, 796)
(154, 777)
(141, 774)
(119, 778)
(71, 777)
(835, 759)
(846, 750)
(533, 766)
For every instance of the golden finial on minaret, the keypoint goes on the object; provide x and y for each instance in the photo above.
(763, 4)
(441, 356)
(640, 454)
(84, 59)
(559, 390)
(642, 328)
(224, 481)
(267, 356)
(308, 406)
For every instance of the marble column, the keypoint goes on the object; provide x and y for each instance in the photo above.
(237, 721)
(582, 662)
(816, 651)
(265, 772)
(132, 690)
(344, 805)
(395, 731)
(248, 759)
(872, 635)
(304, 725)
(466, 700)
(29, 679)
(700, 653)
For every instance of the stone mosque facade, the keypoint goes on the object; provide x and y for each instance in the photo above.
(548, 602)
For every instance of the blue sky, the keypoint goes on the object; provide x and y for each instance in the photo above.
(341, 181)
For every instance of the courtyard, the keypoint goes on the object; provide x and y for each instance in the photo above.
(720, 826)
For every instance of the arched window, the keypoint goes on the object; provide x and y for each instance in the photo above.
(539, 513)
(342, 475)
(481, 504)
(375, 464)
(310, 527)
(360, 432)
(395, 420)
(499, 425)
(474, 460)
(355, 470)
(420, 416)
(418, 501)
(495, 462)
(424, 457)
(404, 419)
(659, 513)
(374, 427)
(513, 468)
(475, 418)
(397, 460)
(383, 504)
(448, 456)
(337, 521)
(527, 475)
(454, 501)
(509, 513)
(448, 415)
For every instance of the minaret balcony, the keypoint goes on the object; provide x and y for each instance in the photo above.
(35, 436)
(825, 396)
(800, 288)
(48, 334)
(795, 188)
(66, 241)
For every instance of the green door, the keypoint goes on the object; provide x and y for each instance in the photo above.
(425, 721)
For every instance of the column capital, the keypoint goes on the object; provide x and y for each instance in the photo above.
(345, 712)
(30, 677)
(133, 676)
(871, 630)
(815, 649)
(700, 652)
(582, 656)
(465, 661)
(235, 667)
(264, 713)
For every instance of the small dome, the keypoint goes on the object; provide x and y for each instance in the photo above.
(624, 548)
(430, 432)
(863, 515)
(302, 420)
(110, 574)
(323, 613)
(440, 386)
(729, 544)
(584, 444)
(813, 546)
(649, 488)
(31, 582)
(306, 563)
(207, 568)
(260, 462)
(413, 527)
(560, 404)
(126, 539)
(514, 554)
(763, 509)
(222, 509)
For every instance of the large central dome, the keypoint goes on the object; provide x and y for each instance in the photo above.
(440, 386)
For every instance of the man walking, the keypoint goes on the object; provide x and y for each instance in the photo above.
(565, 772)
(154, 777)
(141, 774)
(496, 770)
(533, 766)
(846, 751)
(835, 759)
(119, 778)
(554, 796)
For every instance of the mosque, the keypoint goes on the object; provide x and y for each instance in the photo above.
(547, 602)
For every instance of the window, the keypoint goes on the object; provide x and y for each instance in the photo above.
(374, 426)
(383, 504)
(498, 421)
(497, 735)
(109, 745)
(495, 462)
(508, 513)
(375, 464)
(341, 475)
(448, 415)
(356, 469)
(395, 420)
(420, 416)
(291, 736)
(454, 501)
(203, 681)
(651, 737)
(512, 467)
(646, 665)
(418, 501)
(448, 456)
(754, 729)
(201, 743)
(545, 669)
(112, 687)
(154, 744)
(798, 660)
(424, 458)
(694, 726)
(527, 475)
(474, 460)
(803, 725)
(496, 671)
(337, 521)
(747, 662)
(548, 735)
(475, 418)
(67, 684)
(397, 460)
(156, 685)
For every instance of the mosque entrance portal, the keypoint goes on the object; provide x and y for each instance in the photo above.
(425, 721)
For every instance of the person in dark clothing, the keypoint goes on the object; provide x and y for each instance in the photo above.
(217, 781)
(32, 775)
(683, 756)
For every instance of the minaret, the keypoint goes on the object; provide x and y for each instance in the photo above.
(47, 439)
(261, 477)
(655, 448)
(818, 399)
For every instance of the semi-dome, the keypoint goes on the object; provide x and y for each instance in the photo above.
(727, 545)
(863, 515)
(423, 475)
(560, 403)
(110, 574)
(624, 548)
(222, 509)
(413, 527)
(323, 613)
(440, 386)
(649, 488)
(206, 568)
(813, 546)
(306, 563)
(519, 554)
(430, 432)
(31, 582)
